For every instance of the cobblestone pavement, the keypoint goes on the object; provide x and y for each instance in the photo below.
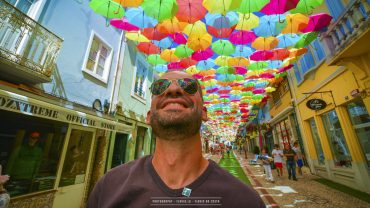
(288, 193)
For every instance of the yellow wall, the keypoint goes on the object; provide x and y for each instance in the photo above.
(285, 102)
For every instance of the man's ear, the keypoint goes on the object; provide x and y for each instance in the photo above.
(148, 116)
(204, 114)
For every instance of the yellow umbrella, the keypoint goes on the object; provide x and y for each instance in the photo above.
(210, 82)
(137, 36)
(169, 55)
(207, 72)
(171, 26)
(198, 28)
(296, 22)
(238, 61)
(262, 43)
(247, 21)
(199, 42)
(129, 3)
(222, 60)
(213, 96)
(215, 101)
(221, 6)
(192, 70)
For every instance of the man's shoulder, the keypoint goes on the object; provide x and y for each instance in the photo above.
(133, 165)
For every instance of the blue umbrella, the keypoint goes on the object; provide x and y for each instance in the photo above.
(286, 40)
(205, 64)
(161, 68)
(275, 64)
(137, 17)
(242, 50)
(164, 43)
(270, 26)
(220, 21)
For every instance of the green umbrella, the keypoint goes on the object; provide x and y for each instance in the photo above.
(183, 51)
(223, 47)
(156, 59)
(249, 6)
(258, 65)
(282, 74)
(306, 39)
(160, 9)
(226, 70)
(247, 93)
(306, 6)
(239, 77)
(107, 8)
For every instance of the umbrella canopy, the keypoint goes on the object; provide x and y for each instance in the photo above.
(220, 21)
(153, 34)
(179, 38)
(169, 55)
(137, 17)
(249, 6)
(197, 28)
(242, 37)
(123, 24)
(317, 22)
(280, 54)
(205, 64)
(296, 23)
(107, 8)
(223, 47)
(129, 3)
(183, 51)
(220, 33)
(199, 42)
(306, 39)
(160, 9)
(190, 10)
(279, 6)
(222, 60)
(262, 43)
(221, 6)
(244, 51)
(261, 55)
(306, 6)
(136, 36)
(155, 59)
(148, 48)
(247, 21)
(287, 40)
(202, 54)
(164, 43)
(171, 26)
(238, 61)
(269, 25)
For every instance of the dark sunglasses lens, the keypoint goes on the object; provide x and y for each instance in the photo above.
(159, 86)
(188, 85)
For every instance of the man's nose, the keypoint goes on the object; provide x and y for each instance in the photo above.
(174, 90)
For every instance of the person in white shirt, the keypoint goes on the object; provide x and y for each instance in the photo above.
(277, 154)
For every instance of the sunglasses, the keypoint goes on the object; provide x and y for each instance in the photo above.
(189, 85)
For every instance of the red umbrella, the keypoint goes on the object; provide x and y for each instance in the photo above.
(202, 54)
(148, 48)
(221, 33)
(261, 55)
(266, 76)
(179, 38)
(279, 6)
(280, 54)
(190, 10)
(187, 62)
(153, 34)
(242, 37)
(317, 22)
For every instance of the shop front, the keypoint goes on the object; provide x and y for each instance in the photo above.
(48, 150)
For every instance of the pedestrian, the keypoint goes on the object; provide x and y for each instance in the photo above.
(290, 161)
(4, 196)
(177, 167)
(300, 156)
(245, 147)
(266, 161)
(277, 154)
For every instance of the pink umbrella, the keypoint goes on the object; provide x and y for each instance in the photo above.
(212, 90)
(174, 66)
(261, 55)
(202, 55)
(123, 24)
(198, 76)
(267, 76)
(179, 38)
(244, 110)
(285, 68)
(279, 6)
(240, 70)
(317, 22)
(224, 96)
(242, 37)
(259, 91)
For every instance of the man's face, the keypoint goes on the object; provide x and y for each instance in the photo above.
(176, 113)
(287, 146)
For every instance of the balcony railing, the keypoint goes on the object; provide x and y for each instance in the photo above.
(28, 51)
(348, 28)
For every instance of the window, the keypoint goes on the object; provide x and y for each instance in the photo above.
(335, 7)
(140, 79)
(98, 58)
(361, 123)
(30, 150)
(280, 91)
(337, 142)
(23, 5)
(317, 142)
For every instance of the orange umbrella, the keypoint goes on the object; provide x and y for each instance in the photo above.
(262, 43)
(297, 52)
(200, 42)
(280, 54)
(153, 34)
(296, 23)
(238, 61)
(129, 3)
(171, 26)
(148, 48)
(169, 55)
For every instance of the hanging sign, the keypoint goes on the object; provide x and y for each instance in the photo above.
(316, 104)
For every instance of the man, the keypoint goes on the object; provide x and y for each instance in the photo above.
(298, 151)
(177, 168)
(4, 196)
(277, 154)
(290, 161)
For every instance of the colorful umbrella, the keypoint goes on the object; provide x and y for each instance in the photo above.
(269, 25)
(247, 21)
(107, 8)
(280, 54)
(223, 47)
(287, 40)
(137, 17)
(262, 43)
(129, 3)
(202, 54)
(169, 55)
(205, 64)
(306, 6)
(164, 43)
(160, 9)
(198, 28)
(179, 38)
(296, 23)
(238, 61)
(220, 21)
(317, 22)
(261, 55)
(242, 37)
(222, 60)
(136, 36)
(183, 51)
(249, 6)
(155, 59)
(153, 34)
(190, 10)
(279, 6)
(148, 48)
(188, 62)
(123, 24)
(244, 51)
(171, 26)
(199, 42)
(220, 33)
(306, 39)
(221, 6)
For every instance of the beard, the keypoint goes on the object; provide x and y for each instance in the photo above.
(173, 127)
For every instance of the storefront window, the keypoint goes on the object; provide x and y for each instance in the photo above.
(361, 123)
(30, 150)
(75, 165)
(337, 142)
(317, 142)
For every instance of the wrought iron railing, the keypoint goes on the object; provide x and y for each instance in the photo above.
(348, 27)
(25, 42)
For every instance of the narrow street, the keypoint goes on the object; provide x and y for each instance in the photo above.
(306, 192)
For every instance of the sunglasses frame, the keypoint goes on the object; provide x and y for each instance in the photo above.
(179, 84)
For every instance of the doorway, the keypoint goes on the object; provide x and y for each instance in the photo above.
(119, 151)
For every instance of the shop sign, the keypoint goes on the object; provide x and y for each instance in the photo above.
(32, 108)
(355, 93)
(316, 104)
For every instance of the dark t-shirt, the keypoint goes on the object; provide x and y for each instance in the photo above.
(290, 151)
(137, 184)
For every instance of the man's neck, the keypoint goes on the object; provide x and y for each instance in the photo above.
(179, 163)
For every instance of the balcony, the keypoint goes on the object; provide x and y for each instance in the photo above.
(28, 51)
(349, 36)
